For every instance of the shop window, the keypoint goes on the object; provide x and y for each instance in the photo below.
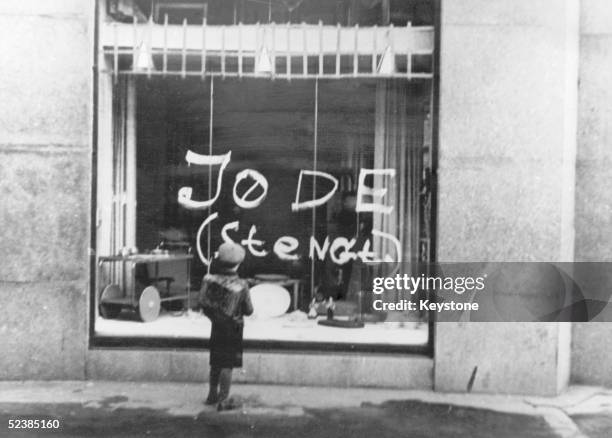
(289, 165)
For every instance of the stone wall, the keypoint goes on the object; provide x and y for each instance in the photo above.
(592, 342)
(45, 181)
(506, 176)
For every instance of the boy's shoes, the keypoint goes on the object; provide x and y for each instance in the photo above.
(227, 405)
(211, 400)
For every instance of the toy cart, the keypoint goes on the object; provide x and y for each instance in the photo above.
(125, 282)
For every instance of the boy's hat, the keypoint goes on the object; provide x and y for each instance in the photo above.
(230, 254)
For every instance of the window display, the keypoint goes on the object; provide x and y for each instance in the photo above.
(308, 143)
(323, 182)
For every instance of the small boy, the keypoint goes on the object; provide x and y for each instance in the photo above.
(225, 298)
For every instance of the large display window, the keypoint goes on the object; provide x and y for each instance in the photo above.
(323, 178)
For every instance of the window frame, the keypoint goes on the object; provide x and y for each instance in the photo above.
(98, 341)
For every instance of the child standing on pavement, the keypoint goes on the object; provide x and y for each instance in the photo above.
(225, 299)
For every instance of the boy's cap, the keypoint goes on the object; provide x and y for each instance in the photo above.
(230, 253)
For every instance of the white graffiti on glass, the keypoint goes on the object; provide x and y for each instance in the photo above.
(340, 250)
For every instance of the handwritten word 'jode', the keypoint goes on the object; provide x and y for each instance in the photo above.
(341, 250)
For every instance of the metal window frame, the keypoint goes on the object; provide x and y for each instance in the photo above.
(97, 341)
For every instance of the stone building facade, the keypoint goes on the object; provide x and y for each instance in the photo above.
(523, 163)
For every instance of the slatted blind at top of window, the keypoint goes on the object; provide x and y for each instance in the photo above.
(290, 51)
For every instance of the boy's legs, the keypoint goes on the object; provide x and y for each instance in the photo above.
(225, 382)
(213, 383)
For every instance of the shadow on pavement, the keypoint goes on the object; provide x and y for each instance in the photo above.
(391, 419)
(594, 426)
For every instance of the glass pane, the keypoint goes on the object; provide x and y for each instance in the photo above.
(268, 128)
(372, 142)
(318, 210)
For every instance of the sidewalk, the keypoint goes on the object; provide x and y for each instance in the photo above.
(107, 409)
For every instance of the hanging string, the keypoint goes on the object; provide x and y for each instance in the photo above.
(210, 151)
(314, 180)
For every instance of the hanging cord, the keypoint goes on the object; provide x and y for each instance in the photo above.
(314, 181)
(210, 151)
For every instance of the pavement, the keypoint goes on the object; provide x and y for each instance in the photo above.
(135, 409)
